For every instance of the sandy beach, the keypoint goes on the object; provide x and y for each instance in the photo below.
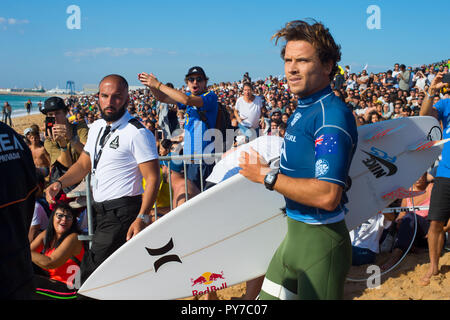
(21, 123)
(403, 283)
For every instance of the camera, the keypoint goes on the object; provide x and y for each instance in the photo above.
(49, 123)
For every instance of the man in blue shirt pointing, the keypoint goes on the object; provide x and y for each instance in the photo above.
(200, 121)
(321, 137)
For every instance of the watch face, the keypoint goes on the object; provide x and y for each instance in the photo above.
(145, 218)
(269, 178)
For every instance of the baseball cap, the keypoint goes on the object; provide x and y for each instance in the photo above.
(53, 104)
(27, 131)
(275, 111)
(196, 70)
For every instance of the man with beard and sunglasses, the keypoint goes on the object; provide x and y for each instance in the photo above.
(119, 152)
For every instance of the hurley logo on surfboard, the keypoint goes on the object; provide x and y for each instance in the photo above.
(162, 252)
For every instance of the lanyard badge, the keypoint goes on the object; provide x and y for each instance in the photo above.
(97, 154)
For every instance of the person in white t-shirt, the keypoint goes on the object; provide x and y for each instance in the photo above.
(396, 70)
(39, 221)
(366, 239)
(363, 80)
(421, 80)
(248, 111)
(119, 152)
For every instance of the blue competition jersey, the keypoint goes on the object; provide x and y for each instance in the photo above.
(194, 140)
(320, 141)
(443, 108)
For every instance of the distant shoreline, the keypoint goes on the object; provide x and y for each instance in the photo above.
(35, 94)
(32, 113)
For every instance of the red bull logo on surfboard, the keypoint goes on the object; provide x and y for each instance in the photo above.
(206, 279)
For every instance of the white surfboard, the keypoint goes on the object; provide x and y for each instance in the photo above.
(228, 234)
(390, 157)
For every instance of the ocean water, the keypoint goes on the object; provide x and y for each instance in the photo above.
(18, 104)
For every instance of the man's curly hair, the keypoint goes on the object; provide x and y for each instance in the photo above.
(317, 35)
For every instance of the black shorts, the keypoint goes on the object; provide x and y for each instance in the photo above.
(440, 200)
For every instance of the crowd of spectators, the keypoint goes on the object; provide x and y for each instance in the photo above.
(372, 97)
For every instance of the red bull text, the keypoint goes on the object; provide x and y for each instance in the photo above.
(205, 280)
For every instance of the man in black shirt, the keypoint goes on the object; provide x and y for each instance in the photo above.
(18, 176)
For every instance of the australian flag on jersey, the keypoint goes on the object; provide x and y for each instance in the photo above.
(326, 144)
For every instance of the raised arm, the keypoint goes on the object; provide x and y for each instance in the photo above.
(427, 105)
(166, 94)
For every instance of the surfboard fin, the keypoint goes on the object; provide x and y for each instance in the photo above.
(381, 133)
(424, 145)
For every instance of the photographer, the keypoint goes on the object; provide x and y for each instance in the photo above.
(64, 141)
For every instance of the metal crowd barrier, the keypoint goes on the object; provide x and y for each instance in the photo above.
(185, 158)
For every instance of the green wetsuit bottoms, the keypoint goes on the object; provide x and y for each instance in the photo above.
(312, 262)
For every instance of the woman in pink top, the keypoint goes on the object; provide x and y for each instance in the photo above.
(405, 221)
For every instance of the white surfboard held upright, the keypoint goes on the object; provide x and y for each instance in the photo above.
(228, 234)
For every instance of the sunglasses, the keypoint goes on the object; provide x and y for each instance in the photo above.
(60, 216)
(192, 79)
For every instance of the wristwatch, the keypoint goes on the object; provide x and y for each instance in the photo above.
(144, 217)
(270, 179)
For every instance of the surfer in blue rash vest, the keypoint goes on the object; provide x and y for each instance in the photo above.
(313, 260)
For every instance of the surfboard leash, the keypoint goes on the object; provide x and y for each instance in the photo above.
(407, 250)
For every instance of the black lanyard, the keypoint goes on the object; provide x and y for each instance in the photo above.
(105, 140)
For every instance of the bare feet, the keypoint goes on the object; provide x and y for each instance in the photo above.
(427, 277)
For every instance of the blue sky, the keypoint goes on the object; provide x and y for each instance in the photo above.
(226, 38)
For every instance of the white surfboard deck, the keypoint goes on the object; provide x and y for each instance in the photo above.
(229, 233)
(367, 190)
